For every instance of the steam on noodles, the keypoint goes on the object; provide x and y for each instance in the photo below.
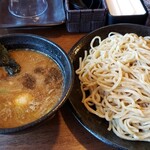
(117, 75)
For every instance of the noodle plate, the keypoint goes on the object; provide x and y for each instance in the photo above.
(116, 74)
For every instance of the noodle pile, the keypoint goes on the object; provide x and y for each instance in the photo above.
(116, 76)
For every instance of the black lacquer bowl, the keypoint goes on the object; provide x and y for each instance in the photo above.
(40, 44)
(97, 126)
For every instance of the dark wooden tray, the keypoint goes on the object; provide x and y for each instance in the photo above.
(54, 15)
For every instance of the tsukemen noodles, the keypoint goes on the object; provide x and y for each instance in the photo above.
(115, 82)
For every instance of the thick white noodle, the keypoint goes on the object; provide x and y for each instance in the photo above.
(117, 75)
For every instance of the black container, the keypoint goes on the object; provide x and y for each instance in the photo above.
(84, 20)
(49, 48)
(146, 3)
(135, 19)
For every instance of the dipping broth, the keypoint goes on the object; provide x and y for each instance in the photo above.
(31, 93)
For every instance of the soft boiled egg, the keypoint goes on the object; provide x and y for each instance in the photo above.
(23, 99)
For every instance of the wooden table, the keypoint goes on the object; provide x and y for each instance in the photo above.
(63, 131)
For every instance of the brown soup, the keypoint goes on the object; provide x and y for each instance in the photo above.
(31, 93)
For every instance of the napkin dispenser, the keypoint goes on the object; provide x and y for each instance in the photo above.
(126, 11)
